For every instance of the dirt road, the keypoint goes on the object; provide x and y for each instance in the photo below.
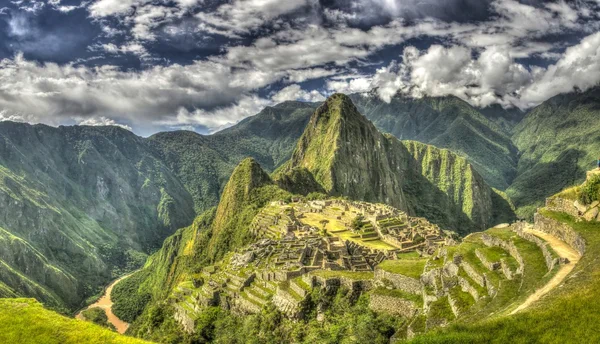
(563, 250)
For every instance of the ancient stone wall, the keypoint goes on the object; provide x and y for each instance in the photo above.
(509, 246)
(551, 259)
(399, 281)
(561, 231)
(392, 305)
(286, 303)
(468, 288)
(562, 205)
(489, 265)
(182, 317)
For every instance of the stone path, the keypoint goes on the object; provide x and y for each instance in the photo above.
(106, 303)
(563, 250)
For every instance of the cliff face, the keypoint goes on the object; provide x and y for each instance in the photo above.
(348, 156)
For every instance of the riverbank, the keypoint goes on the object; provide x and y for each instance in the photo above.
(106, 304)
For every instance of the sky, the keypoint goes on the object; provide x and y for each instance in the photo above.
(204, 65)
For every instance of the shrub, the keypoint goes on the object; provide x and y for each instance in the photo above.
(590, 191)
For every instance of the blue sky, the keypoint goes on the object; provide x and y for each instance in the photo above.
(153, 65)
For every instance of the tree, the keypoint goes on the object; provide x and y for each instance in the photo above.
(357, 222)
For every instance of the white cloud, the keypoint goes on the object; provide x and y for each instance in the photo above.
(240, 16)
(491, 77)
(102, 121)
(295, 92)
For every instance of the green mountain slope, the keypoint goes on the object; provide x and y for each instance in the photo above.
(28, 322)
(348, 157)
(447, 122)
(558, 141)
(79, 204)
(204, 163)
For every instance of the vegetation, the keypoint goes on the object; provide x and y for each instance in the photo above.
(590, 190)
(448, 122)
(558, 144)
(97, 316)
(407, 267)
(347, 320)
(129, 298)
(27, 321)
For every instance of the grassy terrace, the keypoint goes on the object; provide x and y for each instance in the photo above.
(27, 321)
(338, 229)
(568, 314)
(355, 275)
(418, 299)
(407, 267)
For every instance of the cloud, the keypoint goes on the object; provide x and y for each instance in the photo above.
(492, 76)
(241, 16)
(295, 92)
(102, 121)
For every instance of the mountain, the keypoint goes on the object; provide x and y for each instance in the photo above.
(558, 142)
(506, 118)
(349, 157)
(204, 163)
(447, 122)
(320, 286)
(80, 204)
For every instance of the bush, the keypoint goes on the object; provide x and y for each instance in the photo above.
(590, 191)
(98, 317)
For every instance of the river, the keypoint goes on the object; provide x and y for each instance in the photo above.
(106, 303)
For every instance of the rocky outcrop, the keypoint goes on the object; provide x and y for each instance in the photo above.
(560, 230)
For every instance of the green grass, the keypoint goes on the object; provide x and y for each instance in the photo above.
(355, 275)
(407, 267)
(26, 321)
(568, 314)
(417, 298)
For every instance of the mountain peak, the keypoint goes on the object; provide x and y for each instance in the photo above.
(336, 125)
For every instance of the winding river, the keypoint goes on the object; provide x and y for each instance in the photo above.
(106, 303)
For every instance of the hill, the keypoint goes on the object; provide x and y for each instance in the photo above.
(567, 313)
(449, 122)
(27, 321)
(307, 273)
(558, 142)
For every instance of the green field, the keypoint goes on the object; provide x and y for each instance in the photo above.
(26, 321)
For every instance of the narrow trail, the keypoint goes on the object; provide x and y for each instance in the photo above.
(106, 303)
(563, 250)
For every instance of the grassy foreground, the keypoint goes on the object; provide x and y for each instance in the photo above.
(27, 321)
(568, 314)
